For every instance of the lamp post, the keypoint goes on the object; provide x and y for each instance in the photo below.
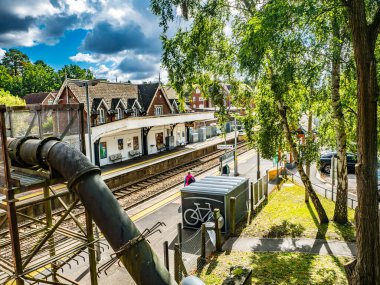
(235, 156)
(86, 83)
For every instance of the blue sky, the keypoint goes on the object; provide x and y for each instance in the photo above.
(114, 38)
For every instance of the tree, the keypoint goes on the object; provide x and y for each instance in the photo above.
(5, 79)
(6, 98)
(364, 21)
(14, 61)
(74, 71)
(264, 45)
(39, 78)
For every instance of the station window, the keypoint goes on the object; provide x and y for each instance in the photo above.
(135, 112)
(119, 113)
(120, 144)
(101, 116)
(158, 110)
(136, 143)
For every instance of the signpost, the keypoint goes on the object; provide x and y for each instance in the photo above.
(225, 146)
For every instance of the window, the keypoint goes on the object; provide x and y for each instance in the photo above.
(120, 144)
(194, 99)
(135, 112)
(50, 101)
(102, 118)
(197, 91)
(201, 99)
(194, 106)
(119, 113)
(159, 140)
(136, 143)
(201, 106)
(157, 110)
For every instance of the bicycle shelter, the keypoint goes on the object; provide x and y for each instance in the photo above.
(200, 199)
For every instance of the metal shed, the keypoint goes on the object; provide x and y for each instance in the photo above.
(200, 199)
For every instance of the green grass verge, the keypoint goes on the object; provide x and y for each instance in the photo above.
(287, 215)
(278, 268)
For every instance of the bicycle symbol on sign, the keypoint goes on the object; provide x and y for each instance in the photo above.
(194, 216)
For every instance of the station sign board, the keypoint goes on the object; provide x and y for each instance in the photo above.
(225, 146)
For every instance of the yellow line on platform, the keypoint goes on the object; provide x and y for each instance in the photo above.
(155, 207)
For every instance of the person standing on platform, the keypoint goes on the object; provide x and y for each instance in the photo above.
(189, 178)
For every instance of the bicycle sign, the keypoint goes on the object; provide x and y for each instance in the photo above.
(197, 215)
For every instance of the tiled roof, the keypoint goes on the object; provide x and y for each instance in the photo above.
(103, 90)
(37, 98)
(170, 92)
(146, 94)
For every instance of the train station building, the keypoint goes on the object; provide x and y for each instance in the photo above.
(130, 120)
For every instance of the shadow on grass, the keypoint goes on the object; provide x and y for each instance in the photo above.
(287, 268)
(321, 234)
(285, 229)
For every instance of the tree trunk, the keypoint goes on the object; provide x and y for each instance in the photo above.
(340, 212)
(367, 268)
(305, 179)
(310, 134)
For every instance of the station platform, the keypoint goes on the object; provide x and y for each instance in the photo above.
(116, 169)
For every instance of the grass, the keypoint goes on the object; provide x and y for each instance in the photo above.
(278, 268)
(287, 215)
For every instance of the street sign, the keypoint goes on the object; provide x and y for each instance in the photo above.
(225, 146)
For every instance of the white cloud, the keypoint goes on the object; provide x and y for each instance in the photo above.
(78, 7)
(32, 8)
(2, 52)
(83, 57)
(21, 38)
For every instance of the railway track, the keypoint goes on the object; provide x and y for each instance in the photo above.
(141, 191)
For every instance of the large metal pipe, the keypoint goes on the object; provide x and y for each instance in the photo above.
(84, 178)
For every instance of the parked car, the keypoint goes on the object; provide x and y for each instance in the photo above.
(325, 162)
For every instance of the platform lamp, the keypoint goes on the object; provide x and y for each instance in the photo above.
(86, 83)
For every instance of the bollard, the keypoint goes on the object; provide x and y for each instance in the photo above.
(177, 273)
(232, 215)
(252, 201)
(203, 242)
(218, 234)
(166, 255)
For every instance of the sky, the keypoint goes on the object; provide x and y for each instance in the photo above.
(116, 39)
